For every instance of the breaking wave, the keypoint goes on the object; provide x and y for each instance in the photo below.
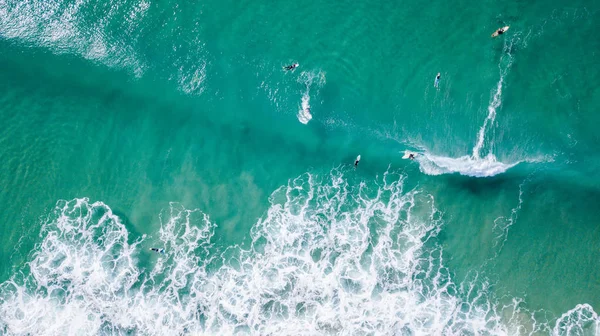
(330, 256)
(477, 164)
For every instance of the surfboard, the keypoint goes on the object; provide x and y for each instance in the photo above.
(408, 153)
(294, 68)
(496, 32)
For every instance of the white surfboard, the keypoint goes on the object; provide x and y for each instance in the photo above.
(496, 32)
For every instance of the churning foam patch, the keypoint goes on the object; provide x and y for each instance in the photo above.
(581, 320)
(328, 257)
(465, 165)
(304, 115)
(309, 79)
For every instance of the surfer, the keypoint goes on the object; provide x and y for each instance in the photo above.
(500, 31)
(411, 156)
(161, 251)
(357, 161)
(291, 67)
(436, 83)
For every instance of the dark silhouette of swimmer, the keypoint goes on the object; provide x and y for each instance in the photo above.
(500, 31)
(161, 251)
(291, 67)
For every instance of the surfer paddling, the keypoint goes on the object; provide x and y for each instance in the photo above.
(436, 83)
(356, 161)
(500, 31)
(291, 67)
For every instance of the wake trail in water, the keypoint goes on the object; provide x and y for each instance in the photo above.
(327, 258)
(304, 115)
(308, 78)
(502, 224)
(489, 120)
(477, 164)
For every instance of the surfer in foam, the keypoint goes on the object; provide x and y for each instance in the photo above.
(409, 155)
(161, 251)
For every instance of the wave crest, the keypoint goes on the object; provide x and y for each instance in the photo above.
(464, 165)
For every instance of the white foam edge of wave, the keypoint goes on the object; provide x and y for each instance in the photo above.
(316, 266)
(465, 165)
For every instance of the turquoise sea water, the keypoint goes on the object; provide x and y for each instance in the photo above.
(135, 124)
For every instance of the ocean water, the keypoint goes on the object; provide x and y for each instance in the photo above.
(137, 124)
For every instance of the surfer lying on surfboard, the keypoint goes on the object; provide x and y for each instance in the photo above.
(500, 31)
(291, 67)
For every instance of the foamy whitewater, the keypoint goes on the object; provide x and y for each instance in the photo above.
(465, 165)
(328, 257)
(475, 165)
(309, 78)
(304, 115)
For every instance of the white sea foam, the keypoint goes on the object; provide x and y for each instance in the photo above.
(581, 320)
(309, 79)
(304, 115)
(489, 120)
(477, 164)
(327, 258)
(62, 26)
(464, 165)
